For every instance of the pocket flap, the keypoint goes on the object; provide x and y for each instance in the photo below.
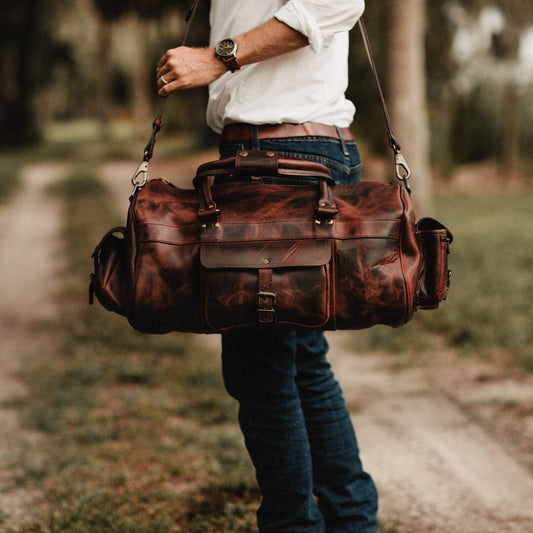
(266, 254)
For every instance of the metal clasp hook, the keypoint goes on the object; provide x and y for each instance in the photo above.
(403, 173)
(140, 177)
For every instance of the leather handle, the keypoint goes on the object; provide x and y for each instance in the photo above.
(264, 163)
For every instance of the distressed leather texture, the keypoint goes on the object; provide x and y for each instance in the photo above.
(235, 254)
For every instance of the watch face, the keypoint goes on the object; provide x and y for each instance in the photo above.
(226, 48)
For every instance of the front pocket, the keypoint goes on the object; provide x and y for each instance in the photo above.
(434, 240)
(266, 283)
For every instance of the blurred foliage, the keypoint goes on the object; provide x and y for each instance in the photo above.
(71, 60)
(142, 436)
(488, 310)
(29, 48)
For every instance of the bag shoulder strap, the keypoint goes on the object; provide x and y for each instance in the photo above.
(140, 176)
(402, 169)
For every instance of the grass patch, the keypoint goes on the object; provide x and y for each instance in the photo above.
(488, 310)
(10, 166)
(142, 436)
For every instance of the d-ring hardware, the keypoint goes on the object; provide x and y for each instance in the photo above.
(140, 177)
(403, 173)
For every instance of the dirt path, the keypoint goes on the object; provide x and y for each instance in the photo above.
(437, 468)
(29, 244)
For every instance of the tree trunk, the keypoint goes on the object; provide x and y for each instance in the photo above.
(18, 124)
(407, 93)
(141, 73)
(511, 131)
(104, 75)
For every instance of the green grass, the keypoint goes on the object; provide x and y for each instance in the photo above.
(488, 309)
(10, 166)
(142, 436)
(88, 141)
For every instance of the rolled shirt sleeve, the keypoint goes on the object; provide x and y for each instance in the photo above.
(320, 20)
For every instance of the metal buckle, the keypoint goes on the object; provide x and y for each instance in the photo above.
(140, 177)
(266, 296)
(266, 315)
(403, 173)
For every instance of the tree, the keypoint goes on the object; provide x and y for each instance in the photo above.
(138, 12)
(407, 92)
(490, 71)
(146, 20)
(29, 50)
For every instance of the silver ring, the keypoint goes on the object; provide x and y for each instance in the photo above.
(163, 80)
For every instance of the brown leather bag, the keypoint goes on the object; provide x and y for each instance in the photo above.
(238, 254)
(235, 254)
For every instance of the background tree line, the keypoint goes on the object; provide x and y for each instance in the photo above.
(64, 60)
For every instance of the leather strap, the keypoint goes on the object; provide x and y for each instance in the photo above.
(282, 130)
(402, 169)
(266, 299)
(263, 163)
(158, 122)
(243, 132)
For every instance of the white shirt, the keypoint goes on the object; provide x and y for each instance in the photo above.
(305, 85)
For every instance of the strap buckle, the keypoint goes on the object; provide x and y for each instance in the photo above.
(265, 307)
(139, 178)
(403, 172)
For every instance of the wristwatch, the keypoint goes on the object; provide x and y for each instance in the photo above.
(226, 51)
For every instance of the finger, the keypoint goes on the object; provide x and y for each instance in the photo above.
(163, 60)
(162, 71)
(163, 80)
(167, 88)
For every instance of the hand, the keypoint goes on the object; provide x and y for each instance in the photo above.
(187, 68)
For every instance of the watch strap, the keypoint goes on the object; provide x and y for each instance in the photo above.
(231, 63)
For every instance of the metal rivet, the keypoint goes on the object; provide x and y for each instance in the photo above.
(322, 204)
(318, 222)
(271, 154)
(216, 225)
(331, 222)
(265, 261)
(204, 226)
(244, 153)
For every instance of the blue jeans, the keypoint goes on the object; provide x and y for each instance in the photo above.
(292, 413)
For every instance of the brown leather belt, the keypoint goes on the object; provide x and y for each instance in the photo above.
(243, 132)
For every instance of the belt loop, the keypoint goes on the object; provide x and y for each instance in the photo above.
(254, 137)
(343, 142)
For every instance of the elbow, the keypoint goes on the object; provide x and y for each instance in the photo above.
(354, 10)
(348, 12)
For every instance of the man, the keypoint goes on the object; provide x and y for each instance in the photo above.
(277, 71)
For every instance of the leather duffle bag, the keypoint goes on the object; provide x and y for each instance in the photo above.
(236, 252)
(229, 254)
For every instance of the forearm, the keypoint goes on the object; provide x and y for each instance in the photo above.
(187, 68)
(271, 39)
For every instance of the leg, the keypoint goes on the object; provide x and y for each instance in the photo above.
(346, 494)
(259, 371)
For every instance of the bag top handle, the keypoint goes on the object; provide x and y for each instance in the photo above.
(402, 170)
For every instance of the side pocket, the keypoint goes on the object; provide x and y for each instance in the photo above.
(108, 282)
(434, 240)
